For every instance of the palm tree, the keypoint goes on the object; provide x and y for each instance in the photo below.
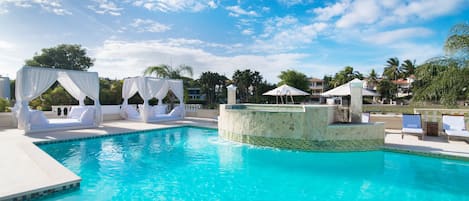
(372, 79)
(391, 70)
(408, 68)
(166, 71)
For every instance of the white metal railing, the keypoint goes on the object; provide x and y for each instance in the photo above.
(63, 110)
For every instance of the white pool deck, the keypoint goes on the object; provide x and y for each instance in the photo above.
(24, 168)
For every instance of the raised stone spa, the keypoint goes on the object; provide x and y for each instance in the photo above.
(301, 127)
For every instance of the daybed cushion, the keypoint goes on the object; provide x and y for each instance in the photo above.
(58, 123)
(37, 118)
(131, 113)
(87, 117)
(76, 112)
(159, 109)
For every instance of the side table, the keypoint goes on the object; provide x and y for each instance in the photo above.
(431, 128)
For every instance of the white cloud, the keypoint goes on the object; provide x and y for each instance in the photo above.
(426, 9)
(389, 37)
(361, 12)
(106, 7)
(352, 13)
(294, 2)
(52, 6)
(131, 58)
(285, 34)
(176, 5)
(247, 32)
(6, 45)
(237, 11)
(328, 12)
(149, 26)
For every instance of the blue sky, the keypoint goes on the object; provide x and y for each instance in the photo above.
(311, 36)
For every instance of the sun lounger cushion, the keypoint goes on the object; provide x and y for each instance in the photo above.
(412, 130)
(37, 118)
(459, 133)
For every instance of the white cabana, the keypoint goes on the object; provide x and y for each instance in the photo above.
(285, 90)
(148, 88)
(31, 82)
(344, 90)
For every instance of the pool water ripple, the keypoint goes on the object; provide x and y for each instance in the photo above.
(190, 163)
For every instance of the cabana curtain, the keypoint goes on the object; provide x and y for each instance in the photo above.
(31, 82)
(149, 88)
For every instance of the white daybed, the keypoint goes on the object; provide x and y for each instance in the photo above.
(148, 88)
(31, 82)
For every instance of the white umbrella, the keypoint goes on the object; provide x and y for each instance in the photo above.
(344, 90)
(285, 90)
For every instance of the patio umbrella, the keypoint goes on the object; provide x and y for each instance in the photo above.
(285, 90)
(344, 90)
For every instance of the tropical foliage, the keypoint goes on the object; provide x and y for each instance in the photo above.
(344, 76)
(295, 79)
(63, 56)
(444, 79)
(248, 83)
(213, 85)
(166, 71)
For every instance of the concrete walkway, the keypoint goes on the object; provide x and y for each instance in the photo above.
(26, 170)
(431, 146)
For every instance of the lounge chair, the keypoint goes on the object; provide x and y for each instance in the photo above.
(412, 124)
(366, 117)
(455, 126)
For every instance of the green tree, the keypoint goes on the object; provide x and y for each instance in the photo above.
(212, 84)
(344, 76)
(458, 40)
(387, 89)
(166, 71)
(63, 56)
(295, 79)
(372, 79)
(247, 82)
(392, 69)
(328, 84)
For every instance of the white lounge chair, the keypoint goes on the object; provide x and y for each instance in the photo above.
(455, 126)
(412, 124)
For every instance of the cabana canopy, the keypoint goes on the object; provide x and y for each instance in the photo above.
(31, 82)
(148, 88)
(344, 90)
(285, 90)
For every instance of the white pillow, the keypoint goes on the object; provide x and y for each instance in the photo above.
(131, 112)
(76, 112)
(37, 118)
(176, 112)
(87, 117)
(159, 109)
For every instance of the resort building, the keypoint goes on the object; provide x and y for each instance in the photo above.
(317, 87)
(404, 85)
(196, 94)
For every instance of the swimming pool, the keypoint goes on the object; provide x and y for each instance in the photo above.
(188, 163)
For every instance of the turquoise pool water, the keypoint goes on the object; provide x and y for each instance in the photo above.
(190, 163)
